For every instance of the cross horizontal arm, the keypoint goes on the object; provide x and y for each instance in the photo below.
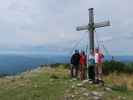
(80, 28)
(96, 25)
(102, 24)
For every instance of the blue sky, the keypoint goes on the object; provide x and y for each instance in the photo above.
(49, 25)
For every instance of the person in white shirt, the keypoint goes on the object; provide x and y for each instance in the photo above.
(91, 67)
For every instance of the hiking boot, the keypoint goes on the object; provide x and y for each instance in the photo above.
(102, 82)
(96, 81)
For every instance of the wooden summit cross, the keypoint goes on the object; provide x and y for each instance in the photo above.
(91, 28)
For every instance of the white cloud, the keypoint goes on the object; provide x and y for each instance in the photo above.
(53, 22)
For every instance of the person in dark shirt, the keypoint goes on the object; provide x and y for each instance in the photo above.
(75, 64)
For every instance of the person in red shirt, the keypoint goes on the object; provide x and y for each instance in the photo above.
(82, 62)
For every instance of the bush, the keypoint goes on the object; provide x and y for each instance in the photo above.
(60, 65)
(129, 68)
(55, 65)
(121, 88)
(118, 67)
(53, 76)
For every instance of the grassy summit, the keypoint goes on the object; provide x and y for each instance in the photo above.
(55, 84)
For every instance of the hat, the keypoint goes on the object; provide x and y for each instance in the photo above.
(76, 51)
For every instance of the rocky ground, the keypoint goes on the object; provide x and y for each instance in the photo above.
(88, 91)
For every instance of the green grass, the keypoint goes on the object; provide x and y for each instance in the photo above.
(40, 86)
(52, 84)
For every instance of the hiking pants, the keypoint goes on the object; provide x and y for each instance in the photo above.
(74, 71)
(91, 72)
(82, 72)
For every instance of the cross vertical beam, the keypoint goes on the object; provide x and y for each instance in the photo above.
(91, 30)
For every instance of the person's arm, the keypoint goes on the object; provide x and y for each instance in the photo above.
(79, 58)
(72, 59)
(102, 56)
(85, 60)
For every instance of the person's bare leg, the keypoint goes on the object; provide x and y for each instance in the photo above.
(100, 76)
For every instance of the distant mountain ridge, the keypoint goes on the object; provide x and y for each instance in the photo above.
(16, 63)
(124, 59)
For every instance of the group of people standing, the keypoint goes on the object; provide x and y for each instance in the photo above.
(91, 69)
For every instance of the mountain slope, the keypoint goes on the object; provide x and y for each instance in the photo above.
(48, 83)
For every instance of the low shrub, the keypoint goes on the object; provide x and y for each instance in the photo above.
(53, 76)
(121, 88)
(118, 67)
